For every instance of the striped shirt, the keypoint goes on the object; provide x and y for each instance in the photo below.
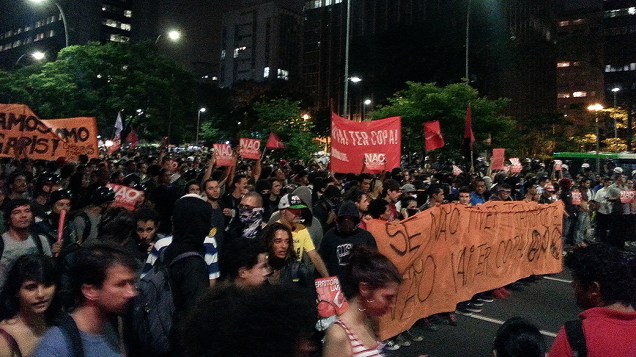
(211, 256)
(360, 350)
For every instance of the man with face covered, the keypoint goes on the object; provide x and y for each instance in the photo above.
(337, 243)
(250, 217)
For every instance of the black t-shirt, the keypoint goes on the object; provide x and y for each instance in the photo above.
(335, 248)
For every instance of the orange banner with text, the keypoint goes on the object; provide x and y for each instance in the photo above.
(449, 253)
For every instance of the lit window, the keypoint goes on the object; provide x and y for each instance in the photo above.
(564, 23)
(563, 64)
(125, 27)
(283, 74)
(215, 78)
(632, 66)
(118, 38)
(103, 8)
(51, 33)
(222, 54)
(631, 10)
(578, 21)
(110, 23)
(127, 13)
(563, 95)
(579, 94)
(266, 72)
(236, 52)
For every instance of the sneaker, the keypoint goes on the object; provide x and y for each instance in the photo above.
(402, 340)
(391, 345)
(413, 335)
(486, 297)
(472, 307)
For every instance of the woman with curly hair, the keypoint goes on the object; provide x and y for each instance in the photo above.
(27, 304)
(286, 269)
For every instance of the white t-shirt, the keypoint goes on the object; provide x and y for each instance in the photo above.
(14, 249)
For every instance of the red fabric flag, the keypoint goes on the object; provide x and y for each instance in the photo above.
(274, 142)
(132, 138)
(468, 131)
(433, 135)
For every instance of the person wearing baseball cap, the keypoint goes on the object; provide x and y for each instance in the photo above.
(290, 207)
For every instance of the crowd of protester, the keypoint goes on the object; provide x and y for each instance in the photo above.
(243, 245)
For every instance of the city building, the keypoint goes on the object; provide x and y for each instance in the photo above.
(261, 41)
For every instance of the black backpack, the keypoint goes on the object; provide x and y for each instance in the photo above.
(153, 308)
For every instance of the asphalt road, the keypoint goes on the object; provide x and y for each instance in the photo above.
(548, 303)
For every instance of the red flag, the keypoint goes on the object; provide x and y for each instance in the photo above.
(433, 135)
(132, 138)
(468, 131)
(274, 142)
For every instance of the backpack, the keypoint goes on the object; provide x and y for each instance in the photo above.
(36, 240)
(87, 226)
(72, 335)
(576, 338)
(153, 308)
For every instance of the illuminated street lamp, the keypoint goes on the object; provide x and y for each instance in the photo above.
(597, 108)
(345, 106)
(37, 55)
(61, 13)
(366, 103)
(201, 110)
(173, 35)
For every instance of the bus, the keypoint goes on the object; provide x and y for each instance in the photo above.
(608, 160)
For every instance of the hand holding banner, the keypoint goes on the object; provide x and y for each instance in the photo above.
(125, 196)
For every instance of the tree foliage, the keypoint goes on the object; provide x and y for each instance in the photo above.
(423, 102)
(100, 80)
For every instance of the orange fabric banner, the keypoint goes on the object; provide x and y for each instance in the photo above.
(79, 136)
(24, 135)
(447, 254)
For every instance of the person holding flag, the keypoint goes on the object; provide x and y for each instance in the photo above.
(119, 126)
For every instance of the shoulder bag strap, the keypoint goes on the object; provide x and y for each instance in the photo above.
(72, 334)
(13, 344)
(576, 337)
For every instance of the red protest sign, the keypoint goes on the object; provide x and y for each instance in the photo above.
(577, 197)
(250, 149)
(375, 144)
(627, 196)
(331, 299)
(498, 159)
(516, 165)
(223, 155)
(125, 196)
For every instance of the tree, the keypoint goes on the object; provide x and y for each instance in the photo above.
(102, 79)
(422, 102)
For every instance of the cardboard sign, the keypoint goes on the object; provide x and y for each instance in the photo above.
(557, 165)
(376, 145)
(447, 254)
(331, 300)
(125, 196)
(577, 197)
(516, 165)
(250, 149)
(223, 155)
(627, 196)
(79, 136)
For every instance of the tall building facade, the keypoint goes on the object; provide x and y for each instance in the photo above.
(26, 27)
(261, 42)
(511, 50)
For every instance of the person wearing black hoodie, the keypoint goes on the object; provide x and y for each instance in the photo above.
(336, 245)
(192, 219)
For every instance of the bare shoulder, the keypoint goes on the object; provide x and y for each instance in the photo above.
(336, 342)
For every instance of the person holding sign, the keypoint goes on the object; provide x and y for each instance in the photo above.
(370, 282)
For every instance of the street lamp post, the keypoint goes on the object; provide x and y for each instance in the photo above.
(173, 35)
(345, 108)
(63, 18)
(467, 38)
(364, 106)
(201, 110)
(615, 90)
(596, 108)
(37, 55)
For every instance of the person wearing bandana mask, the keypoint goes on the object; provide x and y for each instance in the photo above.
(250, 217)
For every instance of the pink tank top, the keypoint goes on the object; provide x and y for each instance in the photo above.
(359, 350)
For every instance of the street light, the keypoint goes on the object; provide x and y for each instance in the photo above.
(201, 110)
(173, 35)
(596, 108)
(366, 102)
(37, 55)
(355, 80)
(61, 13)
(615, 90)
